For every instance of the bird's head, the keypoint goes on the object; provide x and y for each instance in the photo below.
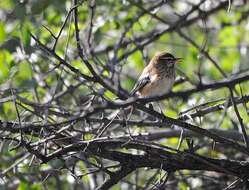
(167, 58)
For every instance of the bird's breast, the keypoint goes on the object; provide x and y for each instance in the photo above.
(157, 87)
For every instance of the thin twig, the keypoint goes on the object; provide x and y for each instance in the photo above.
(242, 127)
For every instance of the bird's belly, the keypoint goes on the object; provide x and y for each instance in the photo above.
(158, 88)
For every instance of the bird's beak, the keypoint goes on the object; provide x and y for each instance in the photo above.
(178, 60)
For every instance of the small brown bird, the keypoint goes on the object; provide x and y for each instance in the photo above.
(157, 77)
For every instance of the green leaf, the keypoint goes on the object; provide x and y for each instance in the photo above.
(8, 110)
(25, 71)
(228, 37)
(22, 186)
(4, 66)
(25, 34)
(2, 32)
(23, 78)
(5, 5)
(136, 60)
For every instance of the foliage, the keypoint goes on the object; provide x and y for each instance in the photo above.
(60, 85)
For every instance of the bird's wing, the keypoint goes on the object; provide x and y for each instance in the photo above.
(142, 81)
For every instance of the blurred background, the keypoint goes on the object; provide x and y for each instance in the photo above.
(59, 85)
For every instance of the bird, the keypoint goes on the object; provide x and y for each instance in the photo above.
(158, 77)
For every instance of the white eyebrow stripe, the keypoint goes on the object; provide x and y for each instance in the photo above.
(170, 58)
